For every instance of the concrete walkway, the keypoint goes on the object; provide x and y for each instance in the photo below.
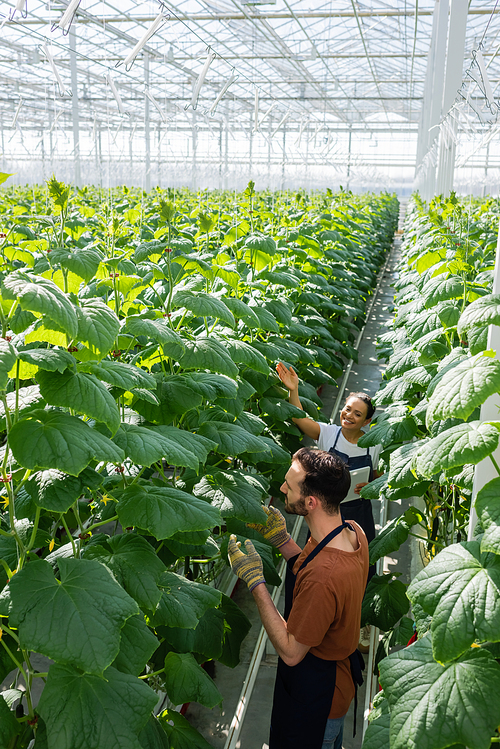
(214, 725)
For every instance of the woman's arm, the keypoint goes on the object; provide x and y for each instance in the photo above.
(290, 380)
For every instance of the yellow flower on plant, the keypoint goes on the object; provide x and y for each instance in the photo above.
(52, 544)
(105, 499)
(5, 502)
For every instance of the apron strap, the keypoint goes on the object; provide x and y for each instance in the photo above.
(326, 540)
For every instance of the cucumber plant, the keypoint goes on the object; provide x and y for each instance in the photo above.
(142, 423)
(441, 690)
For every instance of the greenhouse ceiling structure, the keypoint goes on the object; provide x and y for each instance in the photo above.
(383, 94)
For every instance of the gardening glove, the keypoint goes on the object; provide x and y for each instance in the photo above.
(247, 566)
(274, 530)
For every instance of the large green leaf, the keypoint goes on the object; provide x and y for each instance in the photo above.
(242, 311)
(83, 261)
(56, 491)
(153, 736)
(181, 734)
(435, 706)
(95, 713)
(464, 443)
(208, 353)
(135, 565)
(183, 602)
(176, 397)
(53, 360)
(460, 588)
(146, 445)
(261, 242)
(267, 320)
(488, 511)
(401, 464)
(280, 410)
(385, 602)
(232, 439)
(9, 726)
(243, 353)
(120, 374)
(463, 388)
(204, 305)
(187, 441)
(186, 681)
(159, 330)
(205, 640)
(98, 325)
(402, 360)
(480, 313)
(211, 386)
(92, 605)
(393, 535)
(52, 439)
(164, 511)
(44, 297)
(137, 645)
(440, 289)
(394, 425)
(236, 494)
(83, 393)
(377, 733)
(8, 356)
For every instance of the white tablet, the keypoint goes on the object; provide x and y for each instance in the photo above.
(358, 476)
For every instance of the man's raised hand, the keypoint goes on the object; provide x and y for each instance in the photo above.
(274, 530)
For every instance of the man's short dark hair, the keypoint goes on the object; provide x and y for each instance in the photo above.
(327, 477)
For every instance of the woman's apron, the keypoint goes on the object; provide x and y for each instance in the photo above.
(303, 693)
(359, 510)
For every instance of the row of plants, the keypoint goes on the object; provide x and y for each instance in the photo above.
(142, 423)
(441, 691)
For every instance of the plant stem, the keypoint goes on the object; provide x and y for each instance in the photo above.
(68, 532)
(102, 522)
(153, 673)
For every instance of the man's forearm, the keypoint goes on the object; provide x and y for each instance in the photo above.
(287, 647)
(290, 549)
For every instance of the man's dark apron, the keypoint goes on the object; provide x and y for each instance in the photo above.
(303, 693)
(359, 510)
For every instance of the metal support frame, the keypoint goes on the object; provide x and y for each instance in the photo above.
(75, 106)
(453, 77)
(147, 122)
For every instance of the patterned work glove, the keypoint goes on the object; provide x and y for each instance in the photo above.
(247, 566)
(274, 530)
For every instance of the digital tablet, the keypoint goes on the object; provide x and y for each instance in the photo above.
(358, 476)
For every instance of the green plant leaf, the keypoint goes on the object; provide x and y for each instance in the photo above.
(478, 339)
(120, 374)
(135, 565)
(280, 410)
(159, 330)
(52, 439)
(82, 261)
(480, 313)
(44, 297)
(164, 511)
(145, 446)
(187, 441)
(464, 443)
(8, 356)
(463, 388)
(56, 491)
(401, 361)
(211, 386)
(261, 242)
(9, 726)
(50, 359)
(401, 464)
(232, 439)
(83, 393)
(208, 353)
(181, 734)
(377, 733)
(204, 305)
(385, 602)
(205, 640)
(434, 706)
(176, 397)
(460, 589)
(98, 325)
(242, 311)
(186, 681)
(389, 538)
(440, 289)
(267, 321)
(488, 511)
(235, 494)
(394, 425)
(242, 352)
(119, 705)
(137, 645)
(183, 602)
(153, 736)
(88, 600)
(373, 489)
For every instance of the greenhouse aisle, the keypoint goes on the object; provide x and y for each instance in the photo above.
(215, 724)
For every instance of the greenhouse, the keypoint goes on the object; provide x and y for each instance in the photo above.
(249, 374)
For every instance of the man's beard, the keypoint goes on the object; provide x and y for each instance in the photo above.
(299, 508)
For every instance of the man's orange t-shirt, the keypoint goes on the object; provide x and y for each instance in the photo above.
(326, 610)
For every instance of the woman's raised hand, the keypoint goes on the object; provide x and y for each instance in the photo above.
(288, 377)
